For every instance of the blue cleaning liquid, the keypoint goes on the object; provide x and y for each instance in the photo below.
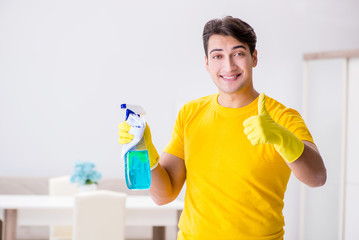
(137, 170)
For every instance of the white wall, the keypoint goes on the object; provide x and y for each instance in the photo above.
(66, 65)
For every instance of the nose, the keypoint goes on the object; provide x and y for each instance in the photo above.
(230, 65)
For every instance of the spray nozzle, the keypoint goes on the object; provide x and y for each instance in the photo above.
(132, 109)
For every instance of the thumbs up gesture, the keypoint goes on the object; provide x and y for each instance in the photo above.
(262, 129)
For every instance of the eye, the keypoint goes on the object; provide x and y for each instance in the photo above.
(216, 56)
(240, 54)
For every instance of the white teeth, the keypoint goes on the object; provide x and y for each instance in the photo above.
(229, 77)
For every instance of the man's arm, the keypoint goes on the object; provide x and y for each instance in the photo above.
(302, 157)
(309, 167)
(167, 179)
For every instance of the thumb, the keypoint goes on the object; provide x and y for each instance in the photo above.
(262, 104)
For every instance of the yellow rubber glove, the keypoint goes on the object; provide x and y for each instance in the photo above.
(126, 137)
(263, 129)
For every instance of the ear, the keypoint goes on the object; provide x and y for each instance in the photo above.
(206, 61)
(254, 58)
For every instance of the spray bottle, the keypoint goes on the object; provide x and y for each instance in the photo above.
(134, 153)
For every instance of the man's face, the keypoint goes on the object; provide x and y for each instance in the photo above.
(230, 64)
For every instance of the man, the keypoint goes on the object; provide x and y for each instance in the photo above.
(235, 149)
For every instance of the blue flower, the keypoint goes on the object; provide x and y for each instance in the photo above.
(85, 173)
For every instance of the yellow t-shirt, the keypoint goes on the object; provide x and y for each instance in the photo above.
(234, 190)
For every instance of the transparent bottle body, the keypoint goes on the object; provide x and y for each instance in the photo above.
(137, 170)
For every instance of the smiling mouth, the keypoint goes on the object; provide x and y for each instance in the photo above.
(230, 77)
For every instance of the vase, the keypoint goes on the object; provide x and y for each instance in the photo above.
(87, 187)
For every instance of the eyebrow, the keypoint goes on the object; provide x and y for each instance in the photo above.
(235, 47)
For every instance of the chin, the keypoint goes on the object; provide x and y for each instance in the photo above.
(232, 90)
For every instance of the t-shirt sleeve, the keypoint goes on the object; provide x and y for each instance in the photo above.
(293, 122)
(176, 144)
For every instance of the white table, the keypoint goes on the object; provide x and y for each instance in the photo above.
(44, 210)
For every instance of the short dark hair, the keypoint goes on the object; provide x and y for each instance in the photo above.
(230, 26)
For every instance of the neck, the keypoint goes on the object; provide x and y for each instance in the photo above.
(237, 100)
